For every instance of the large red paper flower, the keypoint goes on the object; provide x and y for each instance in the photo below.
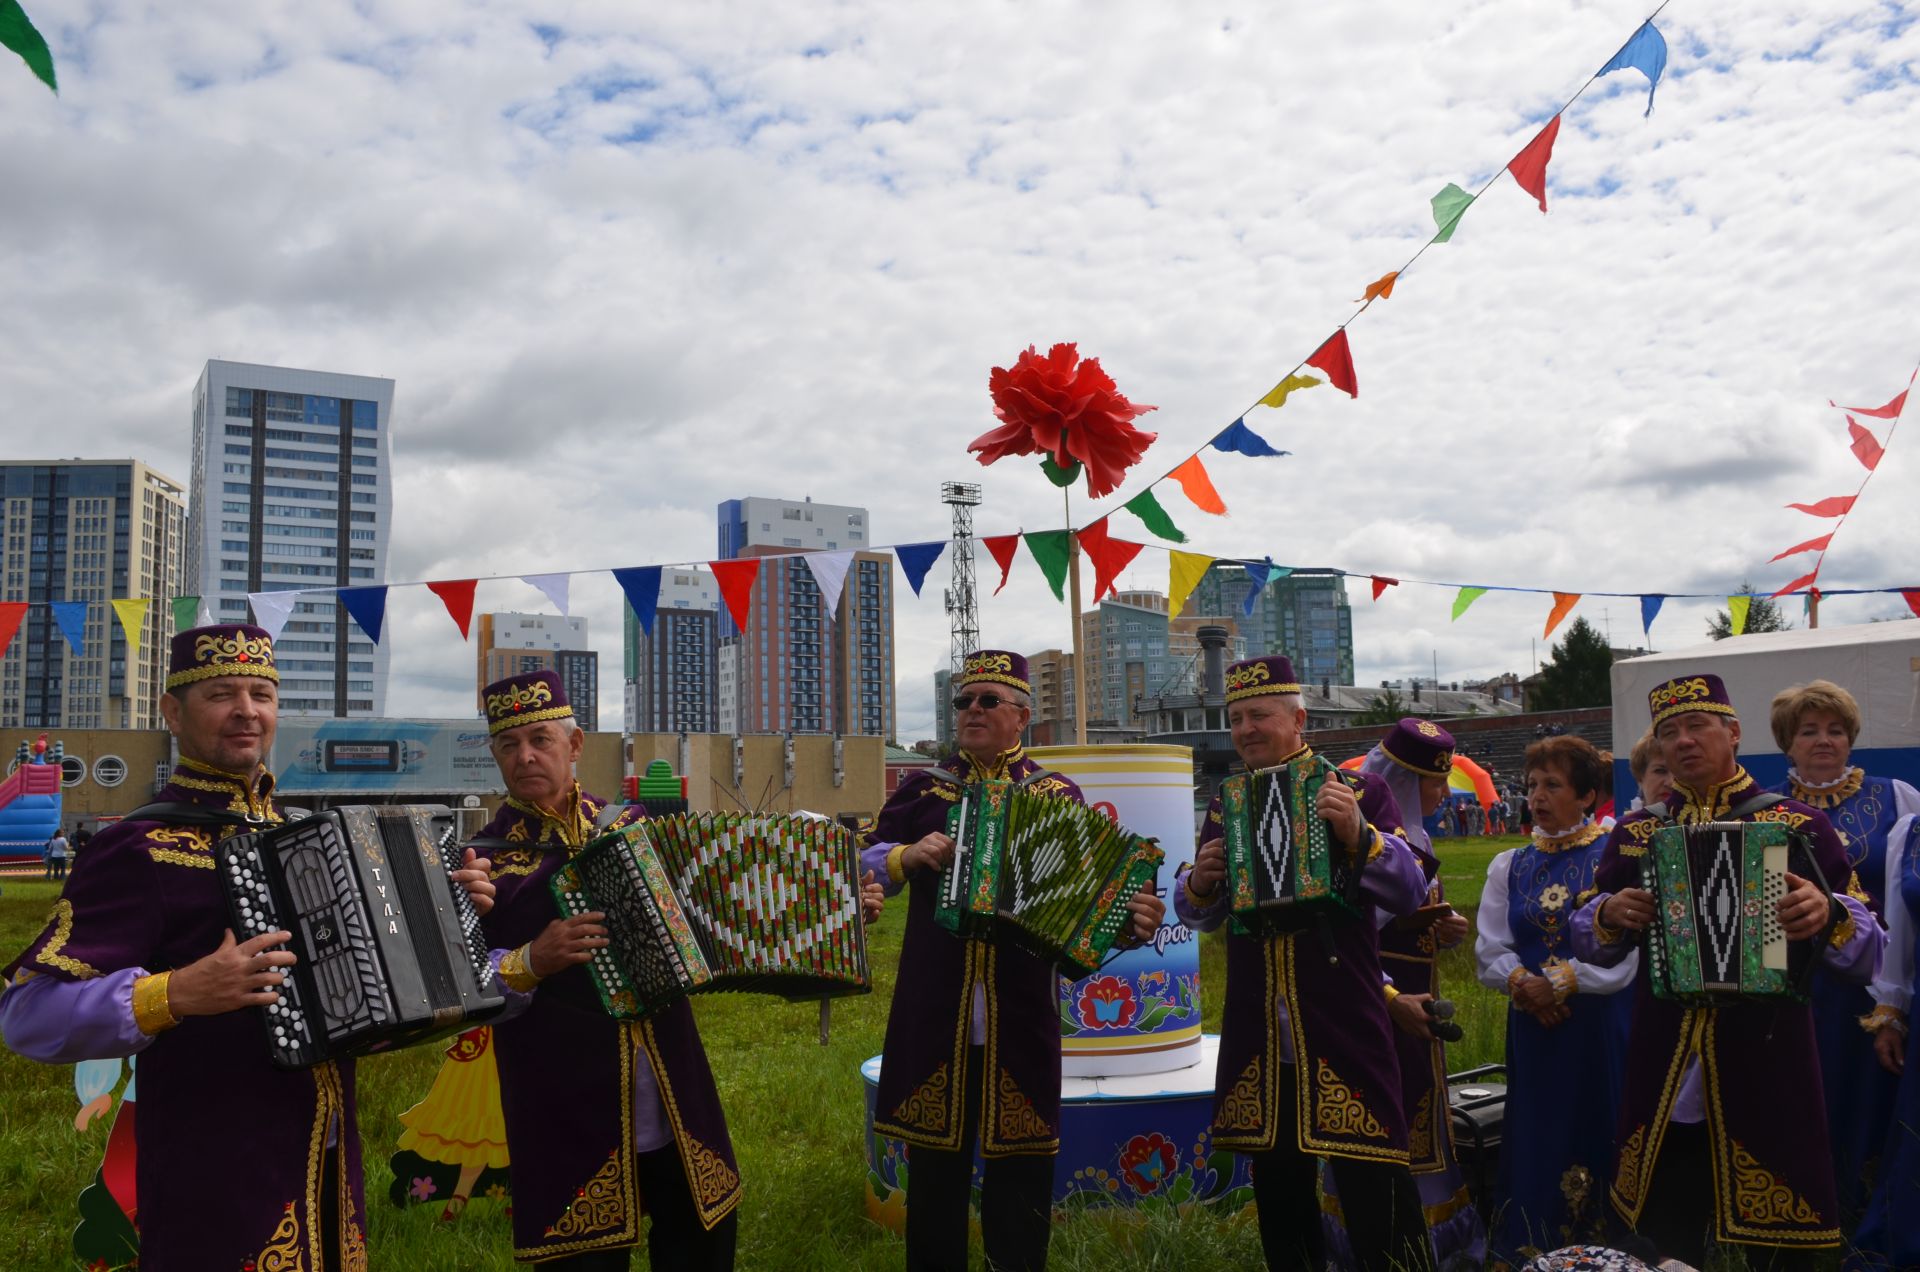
(1068, 408)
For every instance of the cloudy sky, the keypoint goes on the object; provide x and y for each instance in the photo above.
(625, 261)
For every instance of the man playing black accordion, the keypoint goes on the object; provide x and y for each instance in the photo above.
(973, 1039)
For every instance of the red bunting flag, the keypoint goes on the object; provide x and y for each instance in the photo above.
(1381, 583)
(736, 585)
(1799, 583)
(1336, 359)
(1837, 506)
(1529, 167)
(1198, 486)
(1811, 545)
(1002, 546)
(1912, 597)
(1866, 448)
(11, 613)
(1380, 288)
(1890, 411)
(1109, 556)
(457, 596)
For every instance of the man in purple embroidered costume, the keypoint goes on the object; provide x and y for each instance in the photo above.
(138, 957)
(973, 1039)
(604, 1118)
(1722, 1127)
(1307, 1065)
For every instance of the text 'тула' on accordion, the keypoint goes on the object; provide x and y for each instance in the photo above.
(1285, 869)
(389, 946)
(1716, 934)
(1052, 874)
(720, 902)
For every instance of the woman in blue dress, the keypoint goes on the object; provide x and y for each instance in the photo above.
(1815, 725)
(1567, 1023)
(1889, 1235)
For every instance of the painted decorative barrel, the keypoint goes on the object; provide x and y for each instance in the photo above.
(1141, 1012)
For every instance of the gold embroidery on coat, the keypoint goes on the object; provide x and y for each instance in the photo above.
(926, 1107)
(62, 920)
(1339, 1111)
(1760, 1197)
(1240, 1111)
(282, 1251)
(1420, 1133)
(1018, 1118)
(594, 1207)
(1627, 1178)
(713, 1180)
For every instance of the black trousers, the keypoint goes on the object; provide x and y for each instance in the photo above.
(1384, 1220)
(1016, 1199)
(675, 1238)
(1678, 1217)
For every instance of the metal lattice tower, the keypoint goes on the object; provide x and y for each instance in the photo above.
(963, 606)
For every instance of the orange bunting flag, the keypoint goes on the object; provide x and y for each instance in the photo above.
(1109, 556)
(1836, 506)
(1193, 479)
(1381, 583)
(1335, 357)
(1529, 167)
(1799, 583)
(1811, 545)
(1865, 447)
(1380, 289)
(1563, 602)
(457, 596)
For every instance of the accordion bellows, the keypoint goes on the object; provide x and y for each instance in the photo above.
(720, 902)
(1284, 870)
(389, 946)
(1053, 874)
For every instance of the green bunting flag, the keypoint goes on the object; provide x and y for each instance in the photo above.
(1448, 207)
(18, 34)
(1049, 548)
(1468, 595)
(1148, 509)
(186, 609)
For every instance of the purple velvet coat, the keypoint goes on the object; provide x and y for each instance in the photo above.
(566, 1069)
(1410, 955)
(229, 1168)
(923, 1073)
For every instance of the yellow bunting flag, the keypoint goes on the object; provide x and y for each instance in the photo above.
(1381, 288)
(132, 613)
(1277, 396)
(1737, 612)
(1562, 603)
(1193, 479)
(1185, 570)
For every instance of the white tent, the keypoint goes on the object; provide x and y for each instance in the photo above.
(1878, 663)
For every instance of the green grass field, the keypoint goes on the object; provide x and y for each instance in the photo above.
(793, 1106)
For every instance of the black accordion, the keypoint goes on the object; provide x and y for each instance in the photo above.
(389, 946)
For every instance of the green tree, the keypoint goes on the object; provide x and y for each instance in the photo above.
(1762, 616)
(1386, 709)
(1576, 674)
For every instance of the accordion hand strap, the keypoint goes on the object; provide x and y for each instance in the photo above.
(181, 814)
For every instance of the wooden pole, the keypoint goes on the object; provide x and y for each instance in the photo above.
(1813, 607)
(1080, 703)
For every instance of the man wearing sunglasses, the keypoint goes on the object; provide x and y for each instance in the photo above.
(973, 1040)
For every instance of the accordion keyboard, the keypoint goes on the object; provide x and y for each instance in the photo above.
(292, 1040)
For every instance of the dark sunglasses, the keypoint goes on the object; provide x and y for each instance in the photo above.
(987, 701)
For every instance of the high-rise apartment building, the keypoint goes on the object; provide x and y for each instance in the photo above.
(672, 675)
(1125, 642)
(1304, 616)
(93, 531)
(795, 667)
(1050, 672)
(292, 489)
(511, 644)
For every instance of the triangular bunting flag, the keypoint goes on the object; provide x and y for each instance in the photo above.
(735, 580)
(1649, 610)
(1237, 439)
(1049, 548)
(1448, 207)
(1645, 52)
(1467, 596)
(205, 617)
(1336, 359)
(641, 584)
(17, 33)
(132, 613)
(185, 609)
(1259, 574)
(11, 614)
(1109, 556)
(1277, 395)
(553, 586)
(1381, 583)
(72, 618)
(457, 596)
(1184, 572)
(1563, 603)
(1836, 506)
(1148, 509)
(829, 571)
(1797, 584)
(917, 558)
(1888, 412)
(1198, 486)
(1865, 447)
(1380, 288)
(368, 605)
(1737, 607)
(1811, 545)
(271, 610)
(1002, 547)
(1911, 596)
(1529, 167)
